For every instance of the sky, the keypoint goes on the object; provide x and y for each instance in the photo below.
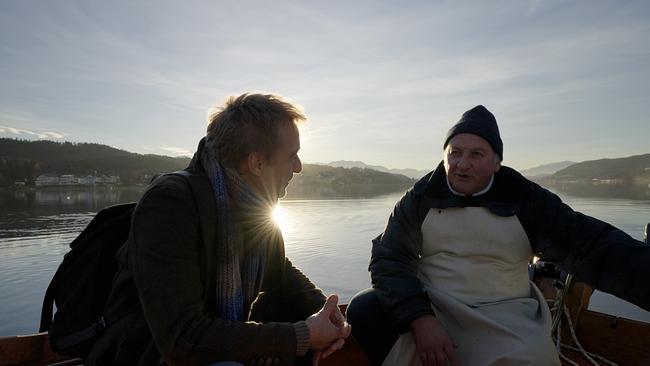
(380, 81)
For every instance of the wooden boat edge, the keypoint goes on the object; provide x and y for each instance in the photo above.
(595, 331)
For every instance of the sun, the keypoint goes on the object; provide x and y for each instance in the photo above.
(280, 218)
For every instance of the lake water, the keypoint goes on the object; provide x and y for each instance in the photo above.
(328, 239)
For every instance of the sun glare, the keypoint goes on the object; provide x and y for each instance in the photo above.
(280, 218)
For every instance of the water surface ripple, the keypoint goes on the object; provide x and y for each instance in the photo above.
(329, 240)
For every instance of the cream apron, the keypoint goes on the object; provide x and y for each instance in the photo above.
(474, 269)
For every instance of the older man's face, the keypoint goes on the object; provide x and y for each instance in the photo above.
(470, 162)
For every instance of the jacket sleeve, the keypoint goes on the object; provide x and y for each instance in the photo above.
(393, 267)
(293, 299)
(306, 297)
(594, 251)
(164, 255)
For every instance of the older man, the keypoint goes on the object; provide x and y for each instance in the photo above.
(449, 273)
(233, 301)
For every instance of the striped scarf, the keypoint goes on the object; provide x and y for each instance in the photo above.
(239, 270)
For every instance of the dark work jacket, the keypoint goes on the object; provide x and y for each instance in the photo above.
(159, 292)
(593, 251)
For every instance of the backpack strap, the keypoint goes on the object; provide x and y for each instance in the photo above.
(47, 309)
(206, 206)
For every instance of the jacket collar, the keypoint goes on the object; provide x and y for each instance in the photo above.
(501, 198)
(195, 164)
(484, 190)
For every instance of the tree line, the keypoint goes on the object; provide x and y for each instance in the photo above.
(23, 160)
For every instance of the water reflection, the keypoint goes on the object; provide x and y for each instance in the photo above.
(66, 199)
(280, 218)
(627, 191)
(347, 191)
(328, 239)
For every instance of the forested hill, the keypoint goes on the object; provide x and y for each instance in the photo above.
(629, 170)
(322, 181)
(22, 160)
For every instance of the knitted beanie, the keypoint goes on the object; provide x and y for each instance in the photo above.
(478, 121)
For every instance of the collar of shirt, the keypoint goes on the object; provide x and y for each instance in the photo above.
(487, 188)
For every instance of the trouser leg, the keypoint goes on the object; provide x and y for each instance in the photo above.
(370, 326)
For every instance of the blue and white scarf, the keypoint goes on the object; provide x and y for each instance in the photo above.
(239, 272)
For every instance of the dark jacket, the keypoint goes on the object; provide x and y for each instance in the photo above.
(160, 292)
(594, 251)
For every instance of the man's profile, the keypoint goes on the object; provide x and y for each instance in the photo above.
(238, 299)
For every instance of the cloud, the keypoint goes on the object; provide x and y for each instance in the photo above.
(27, 129)
(46, 135)
(372, 76)
(177, 151)
(532, 8)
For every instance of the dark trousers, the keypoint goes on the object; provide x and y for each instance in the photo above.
(370, 326)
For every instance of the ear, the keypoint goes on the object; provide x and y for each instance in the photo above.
(255, 163)
(497, 167)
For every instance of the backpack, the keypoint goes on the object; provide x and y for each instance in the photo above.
(82, 283)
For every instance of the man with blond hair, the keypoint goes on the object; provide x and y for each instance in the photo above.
(240, 301)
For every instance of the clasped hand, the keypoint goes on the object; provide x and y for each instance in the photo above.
(328, 329)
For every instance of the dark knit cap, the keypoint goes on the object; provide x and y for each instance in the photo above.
(478, 121)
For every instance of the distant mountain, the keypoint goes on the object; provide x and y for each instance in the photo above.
(324, 181)
(627, 178)
(628, 170)
(411, 173)
(546, 169)
(23, 160)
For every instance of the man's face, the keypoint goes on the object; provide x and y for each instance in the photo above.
(284, 162)
(470, 162)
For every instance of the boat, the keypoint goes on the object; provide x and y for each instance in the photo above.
(586, 335)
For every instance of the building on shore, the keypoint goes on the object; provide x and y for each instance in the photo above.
(48, 179)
